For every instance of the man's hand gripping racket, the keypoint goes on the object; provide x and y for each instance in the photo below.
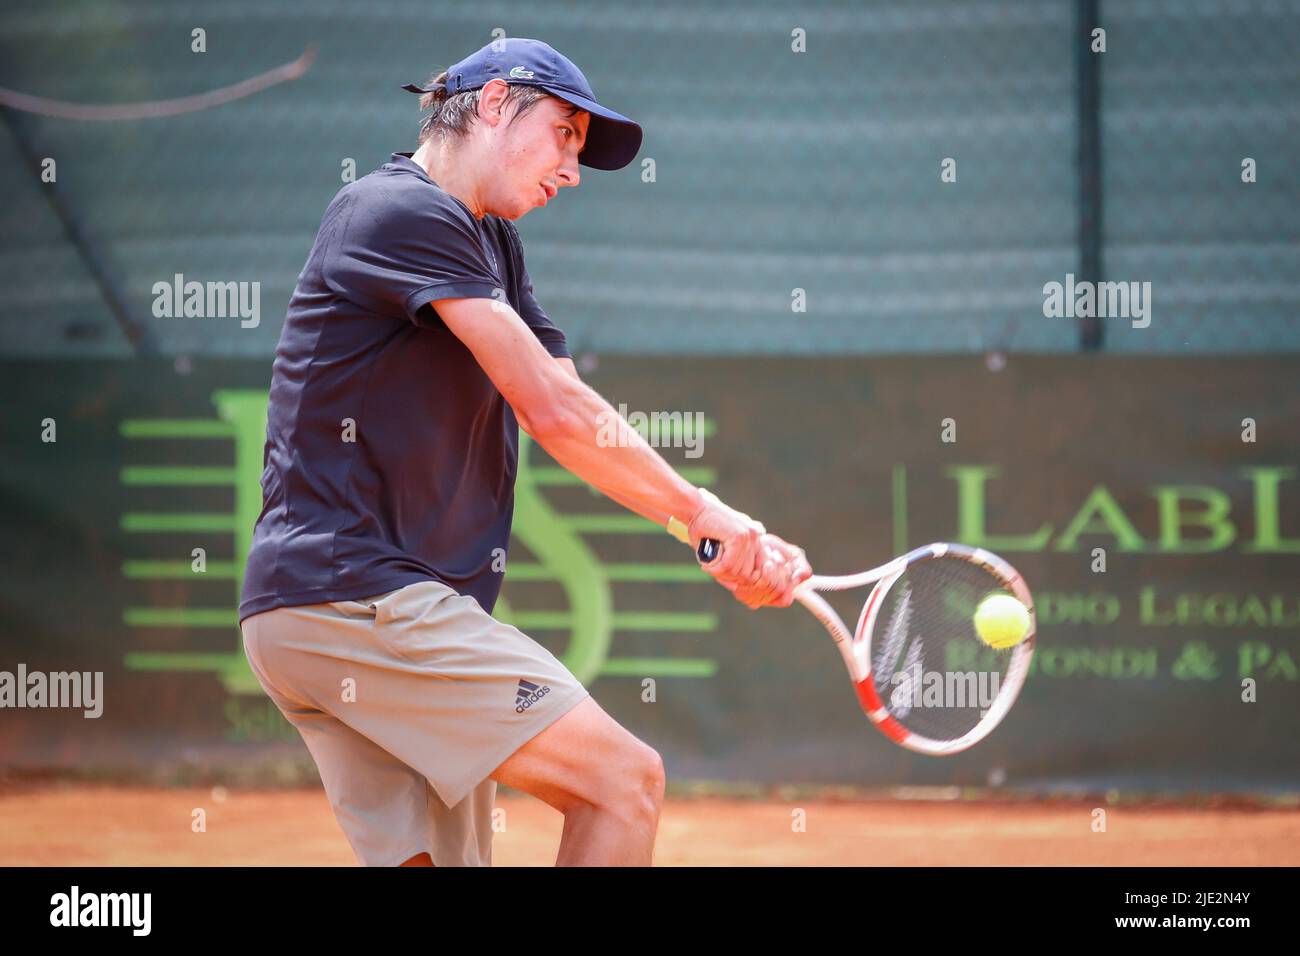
(942, 645)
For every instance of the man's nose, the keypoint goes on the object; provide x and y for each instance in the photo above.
(568, 175)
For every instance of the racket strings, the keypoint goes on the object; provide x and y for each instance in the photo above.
(931, 670)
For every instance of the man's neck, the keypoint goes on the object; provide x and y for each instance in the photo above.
(449, 173)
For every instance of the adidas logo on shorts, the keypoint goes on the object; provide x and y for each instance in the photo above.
(529, 694)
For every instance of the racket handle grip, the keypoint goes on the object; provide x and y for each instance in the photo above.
(708, 550)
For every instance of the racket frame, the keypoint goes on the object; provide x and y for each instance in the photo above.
(855, 646)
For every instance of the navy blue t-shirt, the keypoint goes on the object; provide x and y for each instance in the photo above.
(425, 490)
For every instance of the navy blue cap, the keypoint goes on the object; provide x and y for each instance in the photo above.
(612, 139)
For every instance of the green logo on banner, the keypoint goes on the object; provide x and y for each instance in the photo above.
(556, 541)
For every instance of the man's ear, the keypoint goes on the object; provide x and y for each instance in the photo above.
(491, 100)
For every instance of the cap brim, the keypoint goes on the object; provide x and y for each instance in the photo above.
(613, 140)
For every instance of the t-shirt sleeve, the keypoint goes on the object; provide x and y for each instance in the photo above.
(530, 310)
(393, 258)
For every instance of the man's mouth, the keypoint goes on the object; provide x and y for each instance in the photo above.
(549, 191)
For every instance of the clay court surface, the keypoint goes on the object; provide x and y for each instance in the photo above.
(78, 825)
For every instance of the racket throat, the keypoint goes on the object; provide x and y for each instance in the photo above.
(873, 708)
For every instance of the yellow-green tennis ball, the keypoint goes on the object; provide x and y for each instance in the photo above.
(1001, 621)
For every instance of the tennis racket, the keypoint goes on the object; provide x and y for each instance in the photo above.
(921, 672)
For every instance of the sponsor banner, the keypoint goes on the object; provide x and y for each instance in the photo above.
(1153, 505)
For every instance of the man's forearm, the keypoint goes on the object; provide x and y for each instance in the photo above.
(627, 470)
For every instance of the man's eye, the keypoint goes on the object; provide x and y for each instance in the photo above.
(567, 130)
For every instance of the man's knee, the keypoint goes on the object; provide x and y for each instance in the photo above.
(632, 786)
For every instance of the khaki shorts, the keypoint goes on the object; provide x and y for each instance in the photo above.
(407, 702)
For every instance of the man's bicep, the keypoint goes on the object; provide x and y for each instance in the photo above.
(507, 350)
(568, 366)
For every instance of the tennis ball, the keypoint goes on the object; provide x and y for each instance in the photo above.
(1001, 621)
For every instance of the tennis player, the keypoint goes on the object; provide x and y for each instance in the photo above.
(412, 352)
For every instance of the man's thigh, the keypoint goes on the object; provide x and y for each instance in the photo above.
(581, 758)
